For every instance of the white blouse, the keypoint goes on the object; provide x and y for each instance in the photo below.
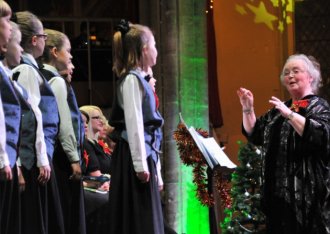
(66, 133)
(131, 101)
(4, 161)
(30, 80)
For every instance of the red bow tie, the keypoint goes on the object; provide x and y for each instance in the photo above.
(299, 104)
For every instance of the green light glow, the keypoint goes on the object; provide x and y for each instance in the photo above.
(193, 105)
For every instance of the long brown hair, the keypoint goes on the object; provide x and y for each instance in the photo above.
(127, 48)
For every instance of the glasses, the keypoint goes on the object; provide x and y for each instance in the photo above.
(294, 72)
(43, 35)
(96, 117)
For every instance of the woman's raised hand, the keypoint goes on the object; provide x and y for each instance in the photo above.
(246, 98)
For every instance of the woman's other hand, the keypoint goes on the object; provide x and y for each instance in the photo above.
(76, 171)
(44, 174)
(143, 176)
(5, 173)
(279, 105)
(21, 180)
(105, 186)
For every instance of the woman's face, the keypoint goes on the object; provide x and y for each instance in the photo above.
(296, 78)
(67, 73)
(85, 121)
(150, 52)
(103, 132)
(64, 56)
(96, 121)
(14, 50)
(39, 41)
(5, 30)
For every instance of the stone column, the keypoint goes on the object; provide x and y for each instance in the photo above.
(161, 17)
(180, 33)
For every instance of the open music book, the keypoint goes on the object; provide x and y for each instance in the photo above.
(211, 150)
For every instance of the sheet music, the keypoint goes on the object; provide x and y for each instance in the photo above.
(211, 150)
(195, 135)
(215, 150)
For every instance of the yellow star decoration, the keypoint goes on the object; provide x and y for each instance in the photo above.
(288, 20)
(240, 9)
(280, 26)
(275, 3)
(262, 15)
(289, 7)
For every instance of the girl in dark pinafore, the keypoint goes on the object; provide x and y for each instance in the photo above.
(135, 204)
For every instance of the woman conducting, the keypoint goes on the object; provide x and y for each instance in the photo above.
(295, 136)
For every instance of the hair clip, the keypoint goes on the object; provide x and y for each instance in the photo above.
(122, 27)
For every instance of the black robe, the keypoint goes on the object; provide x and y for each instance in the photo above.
(296, 191)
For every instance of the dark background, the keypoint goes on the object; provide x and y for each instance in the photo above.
(89, 26)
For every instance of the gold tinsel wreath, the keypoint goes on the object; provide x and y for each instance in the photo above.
(191, 156)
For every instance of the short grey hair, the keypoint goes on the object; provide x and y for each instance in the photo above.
(311, 66)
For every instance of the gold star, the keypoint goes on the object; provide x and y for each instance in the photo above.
(240, 9)
(280, 26)
(288, 20)
(275, 3)
(289, 7)
(262, 15)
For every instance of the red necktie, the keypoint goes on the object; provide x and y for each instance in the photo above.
(157, 100)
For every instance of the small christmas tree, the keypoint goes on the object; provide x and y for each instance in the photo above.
(245, 215)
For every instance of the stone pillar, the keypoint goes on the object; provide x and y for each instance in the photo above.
(180, 33)
(161, 17)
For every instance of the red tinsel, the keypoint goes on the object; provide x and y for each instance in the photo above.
(191, 156)
(105, 147)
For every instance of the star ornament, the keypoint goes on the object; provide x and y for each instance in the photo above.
(289, 7)
(275, 3)
(262, 15)
(280, 26)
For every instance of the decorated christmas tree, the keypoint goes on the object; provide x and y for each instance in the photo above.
(245, 215)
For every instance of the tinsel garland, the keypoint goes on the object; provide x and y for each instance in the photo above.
(191, 156)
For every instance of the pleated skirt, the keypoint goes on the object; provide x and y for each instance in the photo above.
(135, 207)
(71, 195)
(34, 210)
(10, 222)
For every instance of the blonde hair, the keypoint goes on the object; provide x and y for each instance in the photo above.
(127, 48)
(54, 39)
(13, 36)
(108, 127)
(15, 31)
(89, 109)
(5, 9)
